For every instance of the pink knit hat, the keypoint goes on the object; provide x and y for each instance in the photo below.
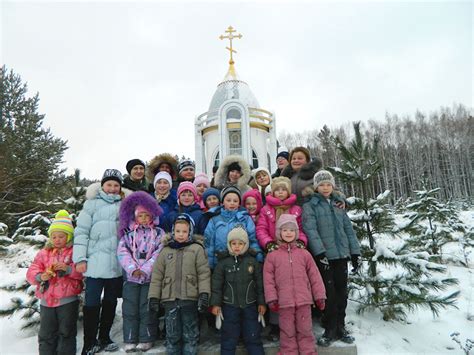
(256, 195)
(139, 209)
(201, 178)
(186, 185)
(286, 219)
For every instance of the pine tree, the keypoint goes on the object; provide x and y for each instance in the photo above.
(393, 278)
(5, 241)
(74, 203)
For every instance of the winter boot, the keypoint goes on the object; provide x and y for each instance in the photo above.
(328, 338)
(91, 323)
(274, 334)
(343, 335)
(106, 320)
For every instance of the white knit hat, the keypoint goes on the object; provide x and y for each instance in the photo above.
(163, 175)
(238, 233)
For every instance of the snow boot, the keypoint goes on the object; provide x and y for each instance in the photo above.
(274, 334)
(107, 317)
(91, 323)
(344, 336)
(327, 338)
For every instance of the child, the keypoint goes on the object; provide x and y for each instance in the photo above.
(95, 255)
(187, 197)
(137, 251)
(237, 290)
(58, 285)
(211, 198)
(181, 282)
(292, 281)
(281, 201)
(231, 215)
(252, 202)
(233, 171)
(202, 183)
(262, 179)
(164, 193)
(332, 242)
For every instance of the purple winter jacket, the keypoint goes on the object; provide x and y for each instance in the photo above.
(138, 249)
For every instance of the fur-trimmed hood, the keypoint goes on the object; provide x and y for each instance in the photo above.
(197, 238)
(306, 172)
(94, 189)
(153, 165)
(130, 203)
(220, 179)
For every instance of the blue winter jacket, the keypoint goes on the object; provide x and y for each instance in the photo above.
(95, 237)
(329, 229)
(215, 235)
(168, 204)
(194, 211)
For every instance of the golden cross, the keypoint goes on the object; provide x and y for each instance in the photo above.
(230, 30)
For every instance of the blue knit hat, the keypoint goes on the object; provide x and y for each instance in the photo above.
(211, 192)
(184, 217)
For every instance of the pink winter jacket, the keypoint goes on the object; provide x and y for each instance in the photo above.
(59, 286)
(265, 228)
(291, 277)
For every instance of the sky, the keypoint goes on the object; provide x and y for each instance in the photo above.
(124, 80)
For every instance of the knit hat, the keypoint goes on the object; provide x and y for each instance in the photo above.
(234, 166)
(257, 170)
(284, 154)
(189, 220)
(139, 209)
(211, 192)
(185, 164)
(201, 178)
(281, 181)
(62, 222)
(163, 175)
(186, 185)
(238, 233)
(132, 163)
(230, 189)
(256, 195)
(323, 176)
(286, 220)
(112, 174)
(303, 150)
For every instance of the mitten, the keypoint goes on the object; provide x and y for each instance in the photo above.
(300, 244)
(274, 306)
(271, 246)
(154, 304)
(322, 261)
(203, 302)
(355, 261)
(321, 304)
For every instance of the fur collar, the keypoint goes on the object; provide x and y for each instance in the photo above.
(220, 178)
(93, 191)
(306, 172)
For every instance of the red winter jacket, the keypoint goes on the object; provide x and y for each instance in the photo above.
(59, 287)
(291, 277)
(265, 228)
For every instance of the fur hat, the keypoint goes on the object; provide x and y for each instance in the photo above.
(185, 164)
(111, 174)
(62, 222)
(184, 217)
(234, 166)
(132, 163)
(256, 195)
(286, 219)
(129, 206)
(163, 175)
(201, 178)
(323, 176)
(154, 165)
(284, 154)
(229, 189)
(211, 192)
(303, 150)
(281, 181)
(186, 185)
(238, 233)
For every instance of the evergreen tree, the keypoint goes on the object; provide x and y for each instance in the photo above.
(29, 153)
(5, 241)
(396, 280)
(74, 203)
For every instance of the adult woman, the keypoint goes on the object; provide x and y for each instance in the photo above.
(163, 162)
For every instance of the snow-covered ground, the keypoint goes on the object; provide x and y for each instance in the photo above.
(420, 334)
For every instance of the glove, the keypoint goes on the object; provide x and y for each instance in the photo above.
(355, 261)
(300, 244)
(203, 302)
(274, 306)
(271, 246)
(322, 261)
(154, 304)
(321, 304)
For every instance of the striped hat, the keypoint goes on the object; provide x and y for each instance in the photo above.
(62, 223)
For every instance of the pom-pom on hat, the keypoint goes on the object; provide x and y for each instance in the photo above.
(184, 217)
(62, 222)
(238, 233)
(163, 175)
(229, 189)
(286, 220)
(186, 185)
(281, 181)
(323, 176)
(211, 192)
(132, 163)
(112, 174)
(185, 164)
(201, 178)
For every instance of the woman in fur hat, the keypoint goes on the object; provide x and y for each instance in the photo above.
(163, 162)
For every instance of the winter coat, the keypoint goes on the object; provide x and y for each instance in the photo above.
(277, 173)
(180, 273)
(138, 249)
(169, 203)
(328, 228)
(95, 237)
(267, 220)
(59, 286)
(237, 280)
(194, 211)
(291, 277)
(302, 180)
(221, 180)
(215, 235)
(154, 164)
(141, 185)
